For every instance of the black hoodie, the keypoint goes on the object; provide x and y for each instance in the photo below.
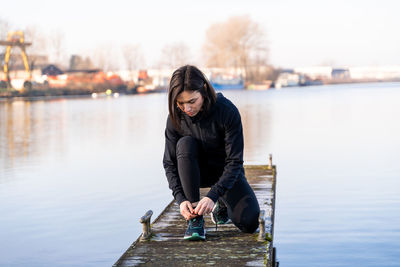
(221, 137)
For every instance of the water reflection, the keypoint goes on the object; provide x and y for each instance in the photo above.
(256, 116)
(76, 173)
(27, 131)
(31, 129)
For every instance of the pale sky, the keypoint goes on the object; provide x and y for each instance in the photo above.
(300, 33)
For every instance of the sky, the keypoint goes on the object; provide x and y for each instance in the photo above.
(299, 33)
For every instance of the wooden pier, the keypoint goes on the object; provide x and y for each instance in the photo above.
(162, 242)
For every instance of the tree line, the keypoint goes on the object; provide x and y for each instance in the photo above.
(239, 43)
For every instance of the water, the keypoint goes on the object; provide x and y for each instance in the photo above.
(77, 174)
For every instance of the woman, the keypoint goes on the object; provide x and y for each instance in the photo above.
(204, 148)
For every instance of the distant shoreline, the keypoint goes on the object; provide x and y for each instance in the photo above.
(55, 93)
(51, 94)
(37, 98)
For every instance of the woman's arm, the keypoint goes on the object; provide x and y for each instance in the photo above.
(232, 125)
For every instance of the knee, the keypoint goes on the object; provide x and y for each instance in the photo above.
(186, 145)
(249, 224)
(245, 216)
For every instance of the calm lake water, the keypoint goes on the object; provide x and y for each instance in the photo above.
(77, 174)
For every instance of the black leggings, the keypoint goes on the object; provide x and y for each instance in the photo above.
(242, 204)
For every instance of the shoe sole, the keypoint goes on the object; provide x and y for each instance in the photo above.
(219, 223)
(195, 237)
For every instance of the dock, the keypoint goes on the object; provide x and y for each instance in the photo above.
(161, 242)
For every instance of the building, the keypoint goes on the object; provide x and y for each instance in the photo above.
(76, 62)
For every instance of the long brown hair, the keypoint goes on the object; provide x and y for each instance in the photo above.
(188, 78)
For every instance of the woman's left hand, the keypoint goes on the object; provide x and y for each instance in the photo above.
(204, 206)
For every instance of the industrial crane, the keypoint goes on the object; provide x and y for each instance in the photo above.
(15, 39)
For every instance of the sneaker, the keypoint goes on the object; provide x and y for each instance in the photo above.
(195, 230)
(219, 214)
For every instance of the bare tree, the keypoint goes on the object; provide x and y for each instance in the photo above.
(105, 58)
(175, 55)
(39, 46)
(133, 57)
(238, 42)
(57, 41)
(4, 29)
(39, 43)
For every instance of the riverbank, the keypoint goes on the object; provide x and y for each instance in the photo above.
(10, 93)
(51, 93)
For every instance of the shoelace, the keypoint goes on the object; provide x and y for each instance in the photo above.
(196, 223)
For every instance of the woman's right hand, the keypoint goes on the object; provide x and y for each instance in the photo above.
(187, 210)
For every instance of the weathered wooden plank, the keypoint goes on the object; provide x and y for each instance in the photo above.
(224, 246)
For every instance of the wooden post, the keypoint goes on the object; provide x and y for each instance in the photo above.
(270, 161)
(261, 219)
(145, 220)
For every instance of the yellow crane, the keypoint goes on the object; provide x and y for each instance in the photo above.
(15, 39)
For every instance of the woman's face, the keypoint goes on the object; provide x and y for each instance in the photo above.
(190, 102)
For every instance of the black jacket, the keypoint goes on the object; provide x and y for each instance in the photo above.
(220, 134)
